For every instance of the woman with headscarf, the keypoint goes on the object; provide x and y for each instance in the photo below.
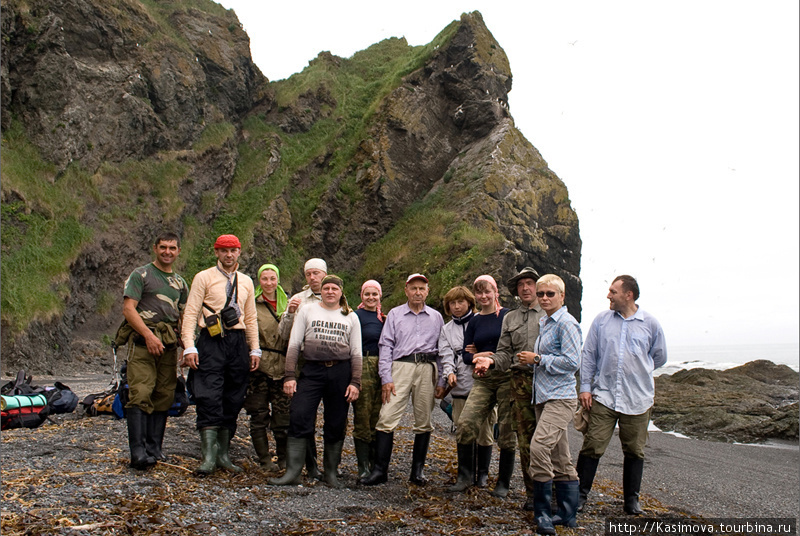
(266, 403)
(330, 334)
(368, 406)
(490, 393)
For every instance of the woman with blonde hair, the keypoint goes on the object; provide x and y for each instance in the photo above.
(555, 359)
(330, 335)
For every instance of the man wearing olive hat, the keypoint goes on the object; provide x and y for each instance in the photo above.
(518, 335)
(222, 304)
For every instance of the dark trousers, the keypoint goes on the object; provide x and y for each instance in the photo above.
(329, 385)
(219, 384)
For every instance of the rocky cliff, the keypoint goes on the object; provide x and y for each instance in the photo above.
(123, 117)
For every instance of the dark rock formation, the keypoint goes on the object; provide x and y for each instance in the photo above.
(750, 403)
(161, 115)
(95, 81)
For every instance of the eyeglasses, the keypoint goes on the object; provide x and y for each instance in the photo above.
(542, 294)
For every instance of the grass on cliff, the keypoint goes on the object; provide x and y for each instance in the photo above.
(434, 240)
(48, 217)
(324, 152)
(53, 214)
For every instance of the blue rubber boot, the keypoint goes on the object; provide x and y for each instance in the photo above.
(567, 497)
(542, 495)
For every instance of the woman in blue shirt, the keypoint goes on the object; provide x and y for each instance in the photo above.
(368, 406)
(490, 396)
(555, 359)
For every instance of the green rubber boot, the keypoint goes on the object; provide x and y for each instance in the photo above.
(208, 444)
(223, 444)
(331, 457)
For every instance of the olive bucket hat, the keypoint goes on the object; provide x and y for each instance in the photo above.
(525, 272)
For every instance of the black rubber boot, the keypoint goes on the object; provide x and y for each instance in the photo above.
(587, 468)
(384, 441)
(296, 448)
(280, 448)
(504, 472)
(466, 475)
(362, 455)
(156, 425)
(208, 438)
(331, 457)
(223, 444)
(137, 430)
(542, 495)
(261, 445)
(484, 461)
(632, 469)
(567, 499)
(420, 452)
(312, 469)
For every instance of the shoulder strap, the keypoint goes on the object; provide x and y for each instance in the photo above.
(234, 288)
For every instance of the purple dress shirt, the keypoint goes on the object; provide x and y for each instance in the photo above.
(406, 333)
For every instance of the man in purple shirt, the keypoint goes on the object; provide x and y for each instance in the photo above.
(408, 350)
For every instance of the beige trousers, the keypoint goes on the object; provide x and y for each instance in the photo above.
(550, 459)
(415, 381)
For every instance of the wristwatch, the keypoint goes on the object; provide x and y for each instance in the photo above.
(537, 359)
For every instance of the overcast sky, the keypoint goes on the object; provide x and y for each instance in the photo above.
(673, 124)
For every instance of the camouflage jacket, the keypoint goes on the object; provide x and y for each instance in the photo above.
(519, 333)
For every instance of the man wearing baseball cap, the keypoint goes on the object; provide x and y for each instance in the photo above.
(222, 304)
(518, 334)
(407, 365)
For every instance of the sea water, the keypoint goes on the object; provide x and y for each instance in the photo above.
(728, 356)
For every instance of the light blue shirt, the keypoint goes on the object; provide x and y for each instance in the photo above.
(619, 358)
(559, 345)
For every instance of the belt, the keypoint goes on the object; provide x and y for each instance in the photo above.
(420, 357)
(327, 363)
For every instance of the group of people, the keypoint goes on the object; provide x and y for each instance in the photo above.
(511, 375)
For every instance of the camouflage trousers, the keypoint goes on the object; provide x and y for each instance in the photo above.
(267, 404)
(367, 408)
(524, 420)
(488, 391)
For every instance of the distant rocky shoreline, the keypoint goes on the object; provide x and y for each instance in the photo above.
(751, 403)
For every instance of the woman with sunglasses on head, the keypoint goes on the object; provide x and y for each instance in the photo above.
(555, 359)
(367, 408)
(489, 398)
(330, 335)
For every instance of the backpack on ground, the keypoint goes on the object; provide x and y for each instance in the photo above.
(22, 404)
(102, 403)
(60, 398)
(23, 411)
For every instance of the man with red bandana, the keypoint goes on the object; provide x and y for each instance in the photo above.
(222, 304)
